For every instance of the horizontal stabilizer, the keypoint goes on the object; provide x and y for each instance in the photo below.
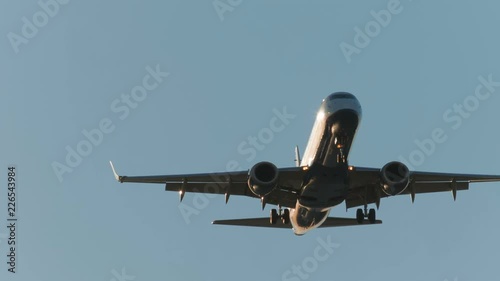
(259, 222)
(264, 222)
(336, 222)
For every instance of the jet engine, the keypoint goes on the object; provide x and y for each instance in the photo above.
(262, 178)
(395, 178)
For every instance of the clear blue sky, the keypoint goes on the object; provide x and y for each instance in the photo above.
(228, 71)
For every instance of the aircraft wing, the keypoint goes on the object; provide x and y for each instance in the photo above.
(366, 182)
(264, 222)
(231, 183)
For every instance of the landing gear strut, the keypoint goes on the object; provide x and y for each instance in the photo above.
(361, 215)
(284, 215)
(274, 216)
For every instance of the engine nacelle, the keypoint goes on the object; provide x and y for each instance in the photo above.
(395, 178)
(263, 178)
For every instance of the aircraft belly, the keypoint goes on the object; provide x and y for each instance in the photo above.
(323, 195)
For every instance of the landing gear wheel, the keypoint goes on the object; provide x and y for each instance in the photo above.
(274, 216)
(285, 217)
(372, 216)
(360, 216)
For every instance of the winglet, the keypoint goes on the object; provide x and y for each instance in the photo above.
(117, 177)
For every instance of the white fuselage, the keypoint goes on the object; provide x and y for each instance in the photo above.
(326, 160)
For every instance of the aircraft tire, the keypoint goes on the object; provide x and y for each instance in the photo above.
(274, 216)
(372, 216)
(360, 216)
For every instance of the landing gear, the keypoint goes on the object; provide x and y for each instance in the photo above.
(361, 215)
(284, 215)
(372, 216)
(274, 216)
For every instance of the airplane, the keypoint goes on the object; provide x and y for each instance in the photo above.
(321, 180)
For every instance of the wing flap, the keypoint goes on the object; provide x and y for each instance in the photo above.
(355, 200)
(428, 187)
(365, 184)
(237, 188)
(232, 183)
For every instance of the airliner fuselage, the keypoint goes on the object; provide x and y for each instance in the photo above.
(326, 157)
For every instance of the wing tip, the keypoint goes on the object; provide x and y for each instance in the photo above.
(117, 177)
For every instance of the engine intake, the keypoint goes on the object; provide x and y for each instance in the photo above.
(263, 178)
(395, 178)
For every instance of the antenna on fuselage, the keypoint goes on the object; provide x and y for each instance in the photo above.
(297, 156)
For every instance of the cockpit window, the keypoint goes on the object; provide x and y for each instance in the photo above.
(341, 96)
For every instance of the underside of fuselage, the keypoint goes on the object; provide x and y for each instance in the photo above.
(326, 182)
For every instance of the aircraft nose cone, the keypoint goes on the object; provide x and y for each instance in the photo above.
(340, 101)
(340, 95)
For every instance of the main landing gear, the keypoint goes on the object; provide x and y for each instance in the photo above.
(361, 215)
(284, 215)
